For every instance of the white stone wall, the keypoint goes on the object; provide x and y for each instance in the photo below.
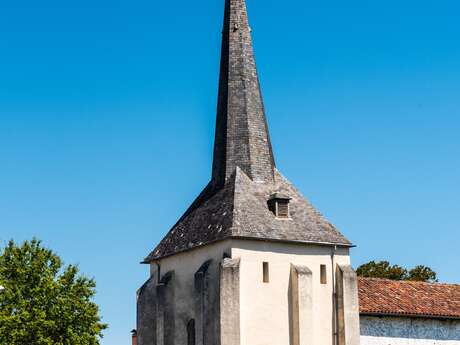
(264, 309)
(265, 314)
(185, 266)
(408, 331)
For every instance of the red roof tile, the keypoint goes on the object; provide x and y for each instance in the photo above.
(417, 299)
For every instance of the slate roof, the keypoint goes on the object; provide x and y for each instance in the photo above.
(382, 297)
(239, 210)
(244, 176)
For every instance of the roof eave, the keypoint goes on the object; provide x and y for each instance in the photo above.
(411, 315)
(323, 244)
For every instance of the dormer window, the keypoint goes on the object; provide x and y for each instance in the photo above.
(278, 204)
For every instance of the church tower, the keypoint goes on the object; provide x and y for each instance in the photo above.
(251, 262)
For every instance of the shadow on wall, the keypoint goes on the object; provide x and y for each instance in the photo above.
(410, 328)
(290, 310)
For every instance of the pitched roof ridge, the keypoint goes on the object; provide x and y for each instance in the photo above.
(208, 193)
(233, 179)
(240, 177)
(285, 180)
(310, 204)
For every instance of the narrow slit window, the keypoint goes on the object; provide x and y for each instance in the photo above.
(323, 274)
(266, 272)
(191, 332)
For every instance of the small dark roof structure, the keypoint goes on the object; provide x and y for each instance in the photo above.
(381, 297)
(244, 176)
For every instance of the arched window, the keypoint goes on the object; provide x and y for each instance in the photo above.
(191, 332)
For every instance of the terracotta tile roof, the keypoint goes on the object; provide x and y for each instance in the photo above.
(388, 297)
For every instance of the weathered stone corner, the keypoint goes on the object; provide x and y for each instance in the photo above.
(301, 305)
(230, 302)
(347, 306)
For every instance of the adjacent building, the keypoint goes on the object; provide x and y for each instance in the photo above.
(409, 313)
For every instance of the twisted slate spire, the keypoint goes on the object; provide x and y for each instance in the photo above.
(242, 138)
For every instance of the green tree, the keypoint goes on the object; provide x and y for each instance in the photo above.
(44, 303)
(383, 269)
(423, 274)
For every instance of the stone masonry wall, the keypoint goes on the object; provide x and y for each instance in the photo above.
(408, 331)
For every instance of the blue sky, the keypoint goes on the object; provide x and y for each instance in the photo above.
(107, 113)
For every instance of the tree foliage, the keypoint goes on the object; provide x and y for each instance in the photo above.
(423, 274)
(383, 269)
(44, 303)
